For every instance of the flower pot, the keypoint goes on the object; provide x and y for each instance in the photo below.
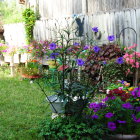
(57, 105)
(31, 76)
(69, 108)
(124, 137)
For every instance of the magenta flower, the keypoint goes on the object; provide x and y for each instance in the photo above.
(111, 126)
(109, 115)
(95, 29)
(111, 37)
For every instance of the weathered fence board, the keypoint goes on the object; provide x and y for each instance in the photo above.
(109, 23)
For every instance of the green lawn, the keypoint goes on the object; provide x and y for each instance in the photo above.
(22, 107)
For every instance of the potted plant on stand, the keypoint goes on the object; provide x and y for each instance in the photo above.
(70, 85)
(31, 70)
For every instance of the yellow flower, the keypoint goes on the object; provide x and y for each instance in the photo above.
(131, 89)
(137, 99)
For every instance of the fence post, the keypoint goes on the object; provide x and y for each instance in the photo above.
(12, 65)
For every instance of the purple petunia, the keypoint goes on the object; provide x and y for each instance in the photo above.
(137, 108)
(113, 98)
(136, 92)
(102, 105)
(95, 29)
(86, 47)
(119, 121)
(96, 49)
(127, 106)
(80, 62)
(109, 115)
(111, 126)
(120, 60)
(122, 82)
(104, 63)
(76, 44)
(52, 46)
(111, 37)
(105, 99)
(94, 116)
(135, 119)
(94, 105)
(53, 55)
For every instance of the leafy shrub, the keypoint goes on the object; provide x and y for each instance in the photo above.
(71, 128)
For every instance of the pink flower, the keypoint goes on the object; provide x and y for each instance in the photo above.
(138, 54)
(131, 47)
(120, 88)
(137, 65)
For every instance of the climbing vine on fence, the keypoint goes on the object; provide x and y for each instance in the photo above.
(29, 19)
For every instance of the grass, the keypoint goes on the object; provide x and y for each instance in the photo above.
(22, 107)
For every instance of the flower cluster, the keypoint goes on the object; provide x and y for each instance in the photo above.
(132, 57)
(119, 109)
(7, 49)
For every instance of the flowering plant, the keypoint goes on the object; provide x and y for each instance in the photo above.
(132, 57)
(7, 49)
(119, 110)
(32, 68)
(36, 49)
(3, 48)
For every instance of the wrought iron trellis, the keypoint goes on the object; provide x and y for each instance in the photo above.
(135, 78)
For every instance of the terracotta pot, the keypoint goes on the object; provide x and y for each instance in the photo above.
(31, 76)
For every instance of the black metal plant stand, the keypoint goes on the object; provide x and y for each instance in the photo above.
(135, 78)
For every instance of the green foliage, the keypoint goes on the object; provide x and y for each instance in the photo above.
(113, 71)
(10, 12)
(29, 19)
(71, 128)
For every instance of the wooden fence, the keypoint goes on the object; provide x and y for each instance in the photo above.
(59, 8)
(108, 22)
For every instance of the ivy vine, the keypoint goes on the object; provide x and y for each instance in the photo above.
(29, 19)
